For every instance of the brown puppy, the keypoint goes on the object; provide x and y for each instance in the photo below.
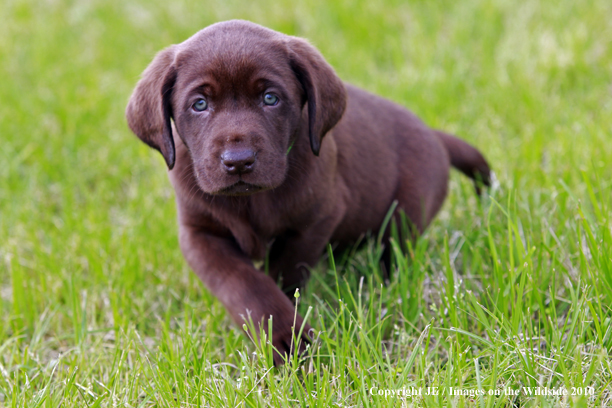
(250, 108)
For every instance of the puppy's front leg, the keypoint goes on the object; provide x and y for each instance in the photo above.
(244, 291)
(290, 260)
(293, 254)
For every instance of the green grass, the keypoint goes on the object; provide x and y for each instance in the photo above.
(99, 309)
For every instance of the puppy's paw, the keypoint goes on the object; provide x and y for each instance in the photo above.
(285, 341)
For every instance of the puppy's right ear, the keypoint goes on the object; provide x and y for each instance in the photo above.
(149, 110)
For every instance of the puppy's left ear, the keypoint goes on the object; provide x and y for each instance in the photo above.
(323, 90)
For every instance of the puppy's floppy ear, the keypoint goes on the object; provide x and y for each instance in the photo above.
(323, 90)
(149, 110)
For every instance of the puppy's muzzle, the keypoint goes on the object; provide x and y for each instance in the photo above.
(238, 161)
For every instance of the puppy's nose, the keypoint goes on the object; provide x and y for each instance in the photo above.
(238, 161)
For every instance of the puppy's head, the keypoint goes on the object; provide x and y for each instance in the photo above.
(236, 92)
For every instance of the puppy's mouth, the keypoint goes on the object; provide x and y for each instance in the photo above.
(240, 188)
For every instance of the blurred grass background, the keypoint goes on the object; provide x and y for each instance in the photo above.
(98, 308)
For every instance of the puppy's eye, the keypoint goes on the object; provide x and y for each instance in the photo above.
(200, 105)
(270, 99)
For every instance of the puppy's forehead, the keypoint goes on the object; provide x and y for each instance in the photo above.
(234, 49)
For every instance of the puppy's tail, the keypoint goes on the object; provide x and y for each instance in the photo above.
(467, 159)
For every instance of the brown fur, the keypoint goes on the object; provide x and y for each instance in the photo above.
(296, 192)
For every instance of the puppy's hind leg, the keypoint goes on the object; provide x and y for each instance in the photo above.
(401, 230)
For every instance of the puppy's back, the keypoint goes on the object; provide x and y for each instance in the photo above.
(386, 153)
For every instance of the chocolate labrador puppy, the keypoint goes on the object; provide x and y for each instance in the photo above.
(271, 153)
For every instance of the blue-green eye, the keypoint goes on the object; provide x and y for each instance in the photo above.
(200, 105)
(270, 99)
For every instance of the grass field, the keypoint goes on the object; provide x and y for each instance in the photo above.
(99, 309)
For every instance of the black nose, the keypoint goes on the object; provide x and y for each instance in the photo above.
(238, 161)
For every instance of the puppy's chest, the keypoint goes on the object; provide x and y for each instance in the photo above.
(267, 224)
(256, 222)
(254, 229)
